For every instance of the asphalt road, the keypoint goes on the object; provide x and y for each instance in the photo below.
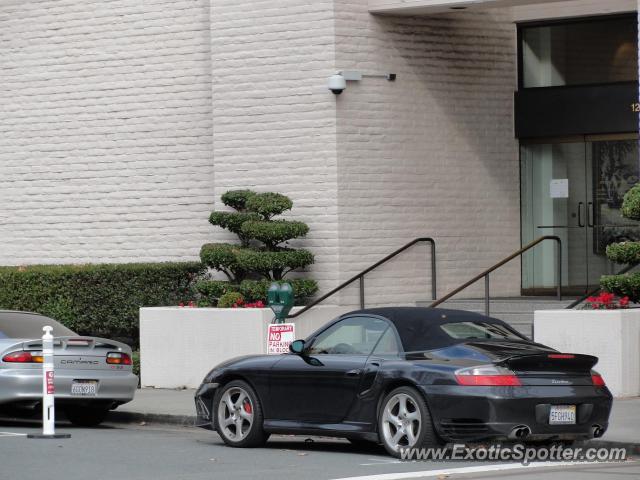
(172, 453)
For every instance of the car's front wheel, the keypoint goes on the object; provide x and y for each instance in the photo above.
(238, 415)
(404, 422)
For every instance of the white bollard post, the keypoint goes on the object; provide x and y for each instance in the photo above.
(48, 389)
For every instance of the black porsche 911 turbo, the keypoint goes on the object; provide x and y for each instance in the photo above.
(408, 377)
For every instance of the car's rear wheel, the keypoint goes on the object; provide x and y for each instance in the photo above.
(86, 416)
(238, 415)
(404, 422)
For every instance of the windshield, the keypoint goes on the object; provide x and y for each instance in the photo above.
(478, 330)
(29, 325)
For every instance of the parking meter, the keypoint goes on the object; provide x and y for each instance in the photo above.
(280, 296)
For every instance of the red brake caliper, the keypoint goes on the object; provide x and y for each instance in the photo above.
(247, 406)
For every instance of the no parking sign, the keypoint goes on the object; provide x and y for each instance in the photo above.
(279, 337)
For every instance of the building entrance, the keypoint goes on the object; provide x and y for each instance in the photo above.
(573, 188)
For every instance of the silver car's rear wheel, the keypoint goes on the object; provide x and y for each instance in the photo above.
(238, 415)
(401, 422)
(235, 414)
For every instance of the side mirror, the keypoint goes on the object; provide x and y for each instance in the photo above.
(297, 347)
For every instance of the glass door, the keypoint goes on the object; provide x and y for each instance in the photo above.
(574, 189)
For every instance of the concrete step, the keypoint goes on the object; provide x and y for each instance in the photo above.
(516, 311)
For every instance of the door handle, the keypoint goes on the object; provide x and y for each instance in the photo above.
(590, 214)
(353, 373)
(580, 207)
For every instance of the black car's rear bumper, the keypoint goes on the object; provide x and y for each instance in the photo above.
(463, 413)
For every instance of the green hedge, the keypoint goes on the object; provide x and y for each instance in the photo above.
(230, 299)
(101, 300)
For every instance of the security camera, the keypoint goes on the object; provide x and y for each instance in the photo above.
(337, 83)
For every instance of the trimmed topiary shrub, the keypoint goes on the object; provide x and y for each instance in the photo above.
(273, 232)
(101, 300)
(627, 285)
(626, 253)
(263, 252)
(631, 203)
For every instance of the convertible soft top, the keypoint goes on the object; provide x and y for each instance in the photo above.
(418, 327)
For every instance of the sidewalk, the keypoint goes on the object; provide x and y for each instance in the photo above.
(176, 407)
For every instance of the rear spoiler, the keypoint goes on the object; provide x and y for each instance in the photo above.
(565, 362)
(67, 343)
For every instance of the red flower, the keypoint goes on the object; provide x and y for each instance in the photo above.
(608, 301)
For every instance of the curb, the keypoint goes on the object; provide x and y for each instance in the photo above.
(632, 448)
(153, 418)
(190, 420)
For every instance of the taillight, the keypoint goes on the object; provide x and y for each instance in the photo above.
(487, 376)
(564, 356)
(23, 357)
(117, 358)
(597, 379)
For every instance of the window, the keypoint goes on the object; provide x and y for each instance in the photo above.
(388, 344)
(478, 330)
(594, 51)
(27, 325)
(351, 336)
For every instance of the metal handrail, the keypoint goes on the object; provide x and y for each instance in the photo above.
(485, 274)
(360, 276)
(596, 290)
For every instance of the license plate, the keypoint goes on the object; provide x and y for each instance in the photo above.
(562, 415)
(84, 388)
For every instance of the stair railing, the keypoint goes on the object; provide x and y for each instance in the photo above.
(360, 276)
(485, 274)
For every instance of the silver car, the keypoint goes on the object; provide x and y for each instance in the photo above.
(92, 375)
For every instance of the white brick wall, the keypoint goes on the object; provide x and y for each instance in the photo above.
(274, 120)
(123, 120)
(431, 154)
(105, 130)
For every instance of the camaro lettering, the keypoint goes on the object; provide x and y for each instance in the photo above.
(79, 362)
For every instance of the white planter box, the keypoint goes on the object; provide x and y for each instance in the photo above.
(611, 335)
(178, 346)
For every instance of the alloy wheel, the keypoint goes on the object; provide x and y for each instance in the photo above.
(401, 422)
(235, 414)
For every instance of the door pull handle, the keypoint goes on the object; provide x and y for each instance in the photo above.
(580, 207)
(590, 215)
(353, 373)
